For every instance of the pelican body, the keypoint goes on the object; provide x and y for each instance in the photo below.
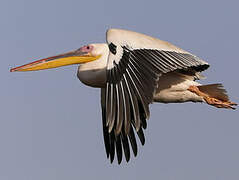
(134, 70)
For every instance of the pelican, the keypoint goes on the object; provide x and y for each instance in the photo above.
(134, 70)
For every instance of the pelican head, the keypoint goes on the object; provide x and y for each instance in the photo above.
(92, 57)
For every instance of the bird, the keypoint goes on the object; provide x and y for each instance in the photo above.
(134, 70)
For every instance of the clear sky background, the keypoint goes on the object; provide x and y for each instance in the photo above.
(50, 125)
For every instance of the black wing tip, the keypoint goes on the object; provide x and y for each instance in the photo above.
(116, 145)
(111, 158)
(143, 142)
(119, 161)
(135, 153)
(201, 67)
(144, 125)
(107, 155)
(127, 159)
(119, 149)
(121, 143)
(141, 136)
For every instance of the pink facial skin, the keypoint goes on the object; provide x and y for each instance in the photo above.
(86, 49)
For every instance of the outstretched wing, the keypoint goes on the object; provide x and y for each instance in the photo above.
(135, 63)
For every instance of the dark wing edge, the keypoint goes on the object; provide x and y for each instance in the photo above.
(114, 142)
(131, 83)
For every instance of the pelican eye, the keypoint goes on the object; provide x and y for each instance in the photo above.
(86, 48)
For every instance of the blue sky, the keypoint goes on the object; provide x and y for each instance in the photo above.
(50, 125)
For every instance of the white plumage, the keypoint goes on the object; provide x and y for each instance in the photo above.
(134, 70)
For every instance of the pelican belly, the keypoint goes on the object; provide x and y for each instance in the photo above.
(173, 88)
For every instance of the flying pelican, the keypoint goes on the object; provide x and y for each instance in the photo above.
(134, 70)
